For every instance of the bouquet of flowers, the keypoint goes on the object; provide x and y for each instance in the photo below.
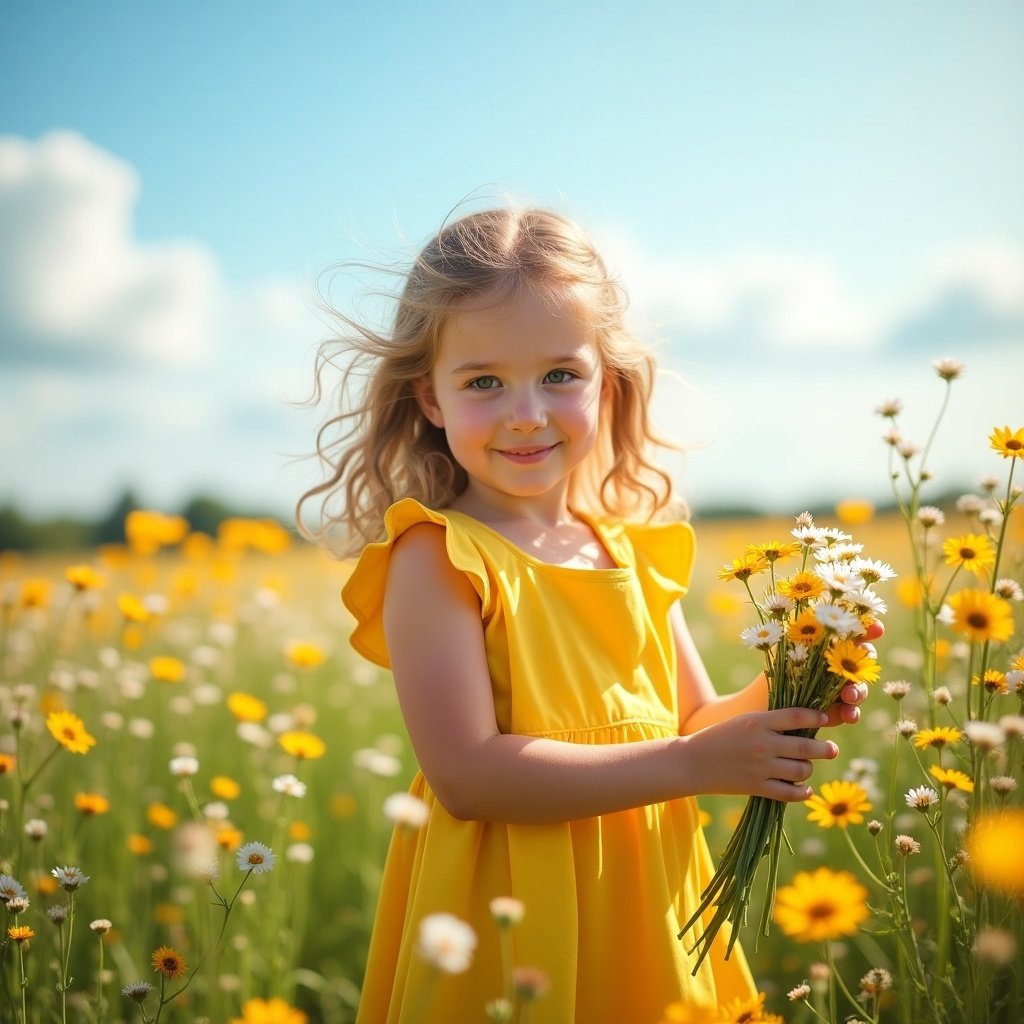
(809, 630)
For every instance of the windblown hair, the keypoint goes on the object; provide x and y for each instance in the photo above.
(379, 447)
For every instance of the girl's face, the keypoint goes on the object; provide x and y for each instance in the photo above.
(517, 389)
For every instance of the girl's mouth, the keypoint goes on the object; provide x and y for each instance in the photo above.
(525, 455)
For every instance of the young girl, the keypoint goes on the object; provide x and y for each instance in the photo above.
(499, 473)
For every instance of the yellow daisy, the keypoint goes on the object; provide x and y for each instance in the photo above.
(994, 681)
(20, 933)
(940, 736)
(167, 669)
(1009, 443)
(246, 708)
(91, 803)
(775, 550)
(83, 577)
(993, 846)
(304, 655)
(69, 731)
(303, 745)
(224, 787)
(952, 779)
(840, 803)
(269, 1011)
(805, 628)
(972, 551)
(801, 587)
(743, 1011)
(821, 905)
(743, 568)
(850, 660)
(981, 615)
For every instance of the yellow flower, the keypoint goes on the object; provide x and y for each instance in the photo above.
(774, 551)
(743, 568)
(20, 933)
(993, 846)
(269, 1011)
(937, 737)
(35, 593)
(168, 962)
(246, 708)
(139, 844)
(994, 681)
(952, 779)
(303, 745)
(840, 803)
(821, 905)
(973, 551)
(746, 1011)
(147, 531)
(981, 615)
(229, 838)
(805, 628)
(69, 731)
(304, 655)
(7, 763)
(83, 577)
(1009, 443)
(299, 832)
(850, 660)
(801, 587)
(91, 803)
(161, 816)
(224, 788)
(132, 608)
(167, 669)
(265, 535)
(854, 511)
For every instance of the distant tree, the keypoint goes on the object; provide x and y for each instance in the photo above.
(109, 529)
(205, 514)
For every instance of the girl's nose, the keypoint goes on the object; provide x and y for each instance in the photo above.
(526, 412)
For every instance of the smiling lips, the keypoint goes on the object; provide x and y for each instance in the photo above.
(526, 455)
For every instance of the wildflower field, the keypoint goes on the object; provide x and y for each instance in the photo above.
(195, 772)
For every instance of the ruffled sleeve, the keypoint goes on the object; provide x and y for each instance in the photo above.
(664, 555)
(363, 592)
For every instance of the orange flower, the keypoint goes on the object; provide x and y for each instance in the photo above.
(20, 933)
(224, 788)
(168, 962)
(269, 1011)
(161, 816)
(139, 844)
(229, 838)
(7, 763)
(91, 803)
(83, 577)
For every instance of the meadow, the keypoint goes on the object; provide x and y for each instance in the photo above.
(194, 766)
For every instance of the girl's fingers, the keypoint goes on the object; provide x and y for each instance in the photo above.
(788, 792)
(788, 769)
(786, 719)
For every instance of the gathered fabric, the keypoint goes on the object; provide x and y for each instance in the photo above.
(581, 656)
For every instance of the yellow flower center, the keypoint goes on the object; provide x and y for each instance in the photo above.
(978, 620)
(820, 911)
(967, 553)
(849, 664)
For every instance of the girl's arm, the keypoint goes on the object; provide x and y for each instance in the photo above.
(436, 644)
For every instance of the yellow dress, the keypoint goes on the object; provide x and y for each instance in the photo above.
(585, 656)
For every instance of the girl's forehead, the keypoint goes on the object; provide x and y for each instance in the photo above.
(530, 321)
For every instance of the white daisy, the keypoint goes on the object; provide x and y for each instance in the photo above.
(839, 553)
(446, 942)
(762, 637)
(289, 785)
(255, 857)
(184, 767)
(837, 620)
(889, 408)
(1009, 590)
(949, 368)
(809, 536)
(797, 654)
(969, 504)
(929, 516)
(921, 798)
(406, 809)
(984, 735)
(872, 571)
(866, 601)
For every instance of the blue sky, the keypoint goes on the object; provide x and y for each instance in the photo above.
(809, 202)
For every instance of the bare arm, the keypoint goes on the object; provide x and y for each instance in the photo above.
(435, 639)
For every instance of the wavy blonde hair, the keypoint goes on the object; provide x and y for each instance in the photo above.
(378, 447)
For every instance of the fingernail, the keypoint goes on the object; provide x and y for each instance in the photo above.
(823, 718)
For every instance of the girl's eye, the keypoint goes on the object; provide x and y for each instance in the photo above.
(484, 383)
(560, 377)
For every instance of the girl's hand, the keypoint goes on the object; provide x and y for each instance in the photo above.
(845, 711)
(752, 754)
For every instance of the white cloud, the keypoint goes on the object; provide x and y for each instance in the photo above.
(75, 284)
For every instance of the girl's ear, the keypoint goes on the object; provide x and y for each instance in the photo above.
(423, 392)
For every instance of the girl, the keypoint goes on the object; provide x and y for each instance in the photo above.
(499, 472)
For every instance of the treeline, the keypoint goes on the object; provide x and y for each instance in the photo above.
(67, 533)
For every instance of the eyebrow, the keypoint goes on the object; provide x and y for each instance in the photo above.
(482, 367)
